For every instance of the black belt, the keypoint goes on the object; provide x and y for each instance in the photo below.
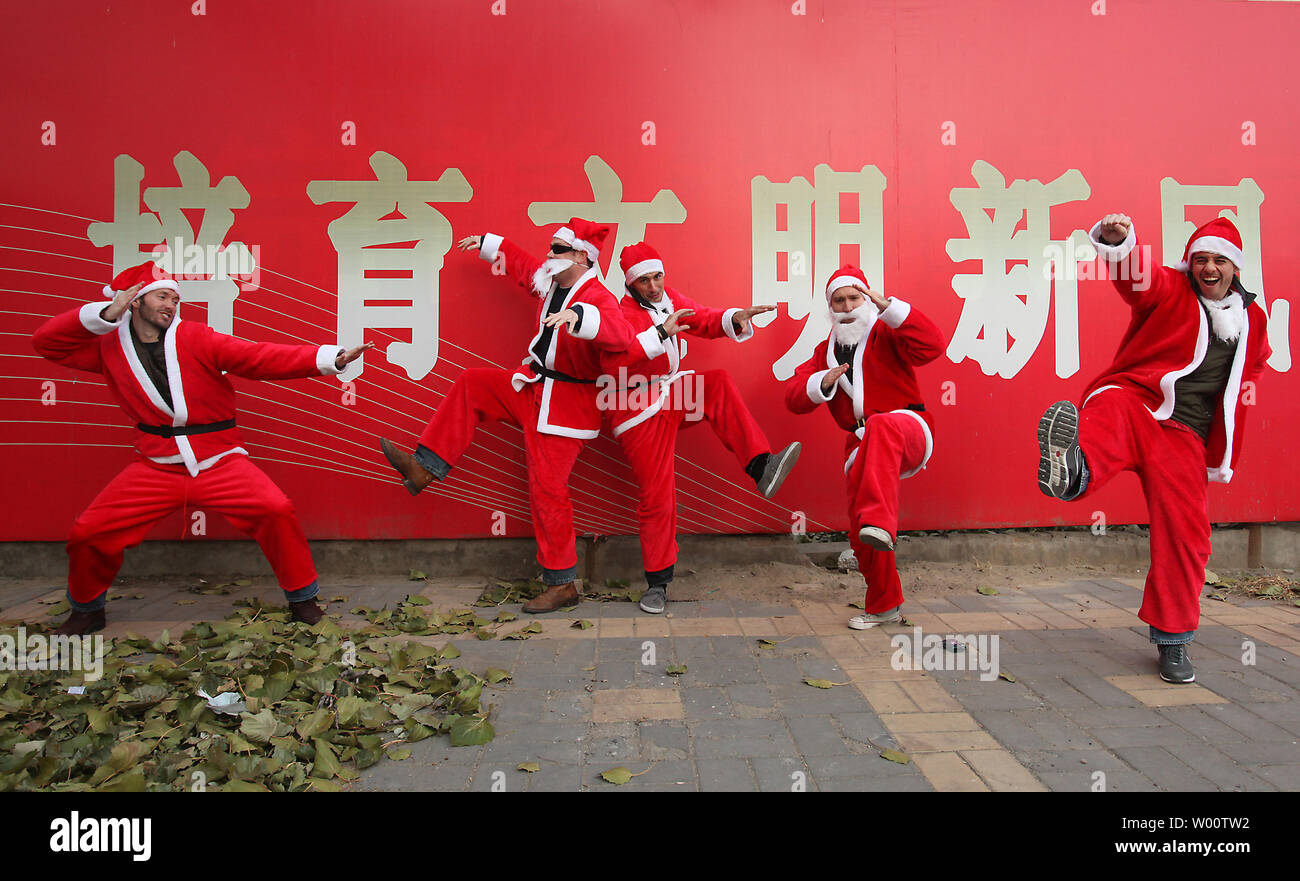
(557, 375)
(178, 430)
(920, 408)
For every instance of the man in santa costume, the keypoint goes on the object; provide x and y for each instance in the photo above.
(1169, 408)
(169, 377)
(865, 372)
(649, 397)
(552, 397)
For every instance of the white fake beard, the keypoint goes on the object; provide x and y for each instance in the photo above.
(1227, 316)
(852, 333)
(546, 273)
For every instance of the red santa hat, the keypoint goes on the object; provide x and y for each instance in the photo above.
(584, 235)
(150, 274)
(1219, 236)
(638, 260)
(845, 276)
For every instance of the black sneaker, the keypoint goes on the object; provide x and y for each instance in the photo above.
(1176, 664)
(654, 600)
(1060, 463)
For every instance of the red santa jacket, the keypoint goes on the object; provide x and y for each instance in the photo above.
(1167, 338)
(566, 408)
(650, 366)
(884, 378)
(196, 355)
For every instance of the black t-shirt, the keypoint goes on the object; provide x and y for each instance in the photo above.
(543, 344)
(154, 361)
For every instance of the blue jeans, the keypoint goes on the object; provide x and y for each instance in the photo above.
(1160, 637)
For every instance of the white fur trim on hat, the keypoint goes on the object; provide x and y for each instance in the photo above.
(566, 235)
(645, 267)
(840, 281)
(167, 283)
(1213, 245)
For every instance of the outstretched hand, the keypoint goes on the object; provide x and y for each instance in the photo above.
(346, 358)
(566, 317)
(740, 320)
(832, 376)
(470, 243)
(673, 323)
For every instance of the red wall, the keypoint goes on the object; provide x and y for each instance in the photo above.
(1193, 91)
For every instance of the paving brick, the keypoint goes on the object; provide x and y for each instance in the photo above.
(699, 703)
(915, 783)
(725, 775)
(930, 697)
(944, 741)
(1001, 772)
(567, 706)
(662, 776)
(913, 722)
(1113, 781)
(1267, 753)
(507, 755)
(750, 695)
(887, 697)
(865, 728)
(1098, 690)
(611, 742)
(1220, 770)
(741, 738)
(636, 704)
(553, 777)
(778, 773)
(1164, 770)
(1165, 735)
(723, 672)
(1010, 730)
(1070, 761)
(1250, 721)
(1284, 777)
(997, 695)
(805, 700)
(946, 772)
(664, 740)
(1117, 717)
(1056, 691)
(816, 736)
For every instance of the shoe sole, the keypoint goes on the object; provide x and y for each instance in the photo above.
(874, 541)
(653, 611)
(1178, 681)
(867, 626)
(390, 451)
(783, 468)
(1058, 435)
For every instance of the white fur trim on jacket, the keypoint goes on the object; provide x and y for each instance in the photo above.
(1113, 253)
(665, 388)
(1231, 391)
(896, 312)
(588, 321)
(929, 446)
(814, 388)
(650, 342)
(1168, 381)
(325, 358)
(730, 329)
(91, 320)
(488, 246)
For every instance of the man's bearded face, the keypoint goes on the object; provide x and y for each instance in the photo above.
(851, 314)
(158, 308)
(547, 272)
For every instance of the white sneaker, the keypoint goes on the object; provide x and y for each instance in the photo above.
(873, 619)
(875, 537)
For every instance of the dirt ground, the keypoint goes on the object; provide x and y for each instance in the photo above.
(779, 583)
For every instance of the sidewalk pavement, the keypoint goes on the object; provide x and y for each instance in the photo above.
(1081, 707)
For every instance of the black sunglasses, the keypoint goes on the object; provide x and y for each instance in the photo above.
(561, 249)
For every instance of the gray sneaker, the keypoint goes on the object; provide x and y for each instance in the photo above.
(1061, 467)
(654, 600)
(778, 469)
(1176, 664)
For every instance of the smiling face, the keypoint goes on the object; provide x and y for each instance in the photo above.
(157, 309)
(1213, 273)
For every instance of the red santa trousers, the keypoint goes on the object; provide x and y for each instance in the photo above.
(485, 394)
(1118, 433)
(892, 444)
(146, 492)
(712, 397)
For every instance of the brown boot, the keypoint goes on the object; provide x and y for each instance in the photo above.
(81, 623)
(414, 475)
(308, 612)
(560, 596)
